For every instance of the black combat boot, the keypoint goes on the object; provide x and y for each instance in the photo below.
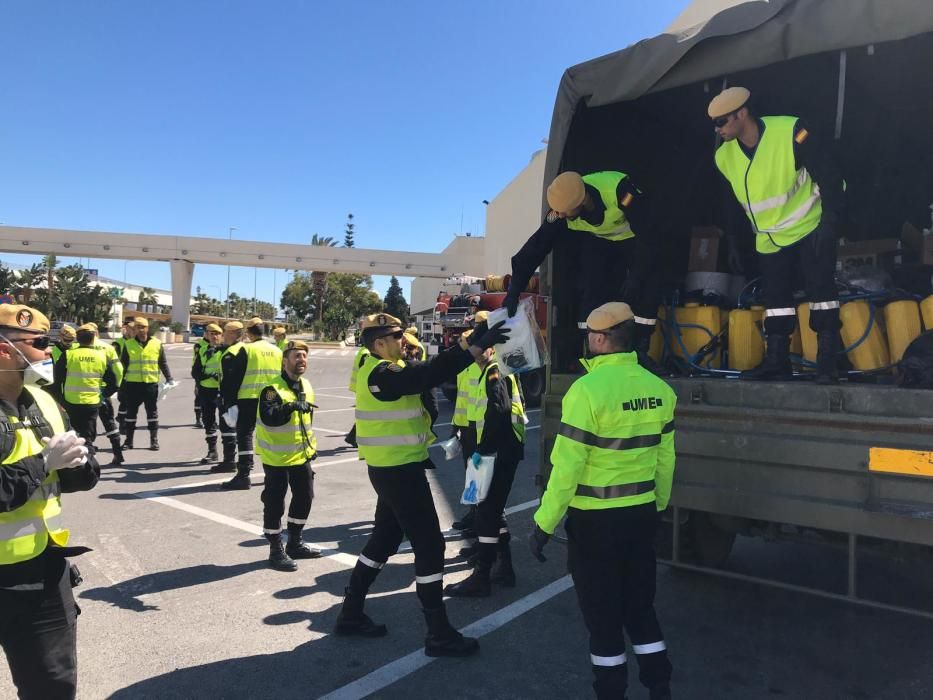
(353, 622)
(128, 443)
(154, 440)
(502, 572)
(211, 455)
(827, 343)
(297, 549)
(610, 682)
(476, 585)
(238, 483)
(465, 522)
(776, 365)
(117, 452)
(278, 559)
(197, 420)
(223, 468)
(442, 639)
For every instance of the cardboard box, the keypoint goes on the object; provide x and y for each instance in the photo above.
(882, 253)
(918, 243)
(704, 249)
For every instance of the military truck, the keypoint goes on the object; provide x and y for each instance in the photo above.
(848, 464)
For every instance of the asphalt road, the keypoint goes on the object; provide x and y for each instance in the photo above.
(178, 600)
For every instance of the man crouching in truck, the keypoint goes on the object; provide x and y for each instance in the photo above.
(605, 215)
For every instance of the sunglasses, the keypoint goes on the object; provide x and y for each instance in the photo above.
(397, 335)
(40, 342)
(720, 122)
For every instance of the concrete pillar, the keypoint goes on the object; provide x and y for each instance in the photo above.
(182, 273)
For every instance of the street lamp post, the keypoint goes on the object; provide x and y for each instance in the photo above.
(227, 300)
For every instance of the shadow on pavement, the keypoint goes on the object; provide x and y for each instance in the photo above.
(125, 594)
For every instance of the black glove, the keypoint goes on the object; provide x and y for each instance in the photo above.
(536, 542)
(301, 406)
(495, 335)
(511, 304)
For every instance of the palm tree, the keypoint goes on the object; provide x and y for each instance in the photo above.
(49, 263)
(27, 281)
(319, 279)
(147, 295)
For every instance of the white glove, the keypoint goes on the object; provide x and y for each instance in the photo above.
(231, 415)
(64, 451)
(165, 388)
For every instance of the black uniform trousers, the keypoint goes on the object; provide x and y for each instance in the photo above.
(208, 398)
(198, 406)
(38, 634)
(467, 443)
(83, 419)
(277, 482)
(106, 415)
(618, 271)
(245, 427)
(138, 394)
(490, 525)
(611, 558)
(815, 258)
(404, 508)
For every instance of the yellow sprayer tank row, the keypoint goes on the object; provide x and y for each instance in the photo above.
(882, 336)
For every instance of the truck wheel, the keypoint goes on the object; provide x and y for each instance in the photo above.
(533, 387)
(449, 391)
(709, 544)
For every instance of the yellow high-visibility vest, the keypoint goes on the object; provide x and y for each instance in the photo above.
(25, 532)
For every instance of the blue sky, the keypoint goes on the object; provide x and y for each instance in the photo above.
(279, 118)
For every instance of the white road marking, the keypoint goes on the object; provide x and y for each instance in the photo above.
(344, 353)
(330, 352)
(396, 670)
(335, 396)
(333, 410)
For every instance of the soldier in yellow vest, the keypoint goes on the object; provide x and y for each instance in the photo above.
(350, 438)
(84, 375)
(603, 219)
(206, 374)
(232, 345)
(106, 412)
(792, 195)
(66, 341)
(143, 359)
(278, 333)
(198, 345)
(286, 445)
(127, 331)
(246, 370)
(39, 461)
(393, 432)
(497, 411)
(613, 470)
(465, 430)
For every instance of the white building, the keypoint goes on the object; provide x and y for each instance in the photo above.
(511, 217)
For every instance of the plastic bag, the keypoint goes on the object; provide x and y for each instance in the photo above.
(452, 448)
(477, 480)
(525, 349)
(167, 387)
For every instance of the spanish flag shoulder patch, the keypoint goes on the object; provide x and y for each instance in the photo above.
(801, 136)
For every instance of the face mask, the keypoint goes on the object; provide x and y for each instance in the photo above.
(35, 373)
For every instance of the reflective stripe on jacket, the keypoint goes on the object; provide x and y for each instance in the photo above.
(782, 203)
(615, 444)
(143, 361)
(389, 433)
(25, 532)
(291, 444)
(263, 366)
(84, 375)
(466, 386)
(357, 363)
